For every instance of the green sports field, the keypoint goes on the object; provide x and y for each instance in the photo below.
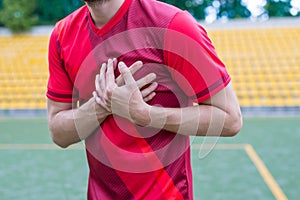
(262, 162)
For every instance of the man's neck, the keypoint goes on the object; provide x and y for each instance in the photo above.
(103, 12)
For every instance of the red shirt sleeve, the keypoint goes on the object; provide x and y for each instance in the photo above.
(192, 59)
(60, 87)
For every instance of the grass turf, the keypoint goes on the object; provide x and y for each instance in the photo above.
(222, 174)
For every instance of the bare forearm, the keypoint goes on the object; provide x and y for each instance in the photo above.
(217, 115)
(201, 120)
(71, 126)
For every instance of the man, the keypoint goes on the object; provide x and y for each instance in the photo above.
(136, 129)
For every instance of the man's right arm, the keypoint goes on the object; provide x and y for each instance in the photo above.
(68, 125)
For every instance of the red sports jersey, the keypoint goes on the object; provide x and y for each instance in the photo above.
(128, 161)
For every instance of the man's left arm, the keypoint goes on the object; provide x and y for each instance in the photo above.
(220, 115)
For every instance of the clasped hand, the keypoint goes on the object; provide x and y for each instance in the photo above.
(124, 96)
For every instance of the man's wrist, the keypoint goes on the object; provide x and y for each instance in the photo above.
(141, 116)
(100, 112)
(158, 117)
(151, 116)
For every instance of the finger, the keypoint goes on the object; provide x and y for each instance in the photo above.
(110, 76)
(126, 74)
(102, 81)
(146, 80)
(100, 102)
(97, 83)
(149, 97)
(133, 69)
(115, 63)
(148, 90)
(102, 76)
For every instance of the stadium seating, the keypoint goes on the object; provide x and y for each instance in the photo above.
(23, 72)
(264, 64)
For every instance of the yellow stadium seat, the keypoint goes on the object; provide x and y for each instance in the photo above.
(264, 65)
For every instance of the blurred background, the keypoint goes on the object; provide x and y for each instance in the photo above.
(257, 39)
(20, 15)
(259, 42)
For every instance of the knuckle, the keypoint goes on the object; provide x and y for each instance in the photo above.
(144, 94)
(126, 72)
(109, 91)
(98, 100)
(106, 99)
